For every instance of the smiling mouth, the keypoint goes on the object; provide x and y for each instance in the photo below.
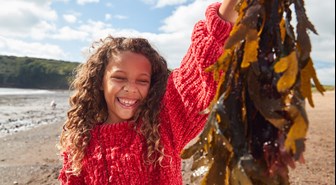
(127, 102)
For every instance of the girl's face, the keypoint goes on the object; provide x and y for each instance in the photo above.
(126, 83)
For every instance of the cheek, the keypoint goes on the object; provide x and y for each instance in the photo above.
(144, 92)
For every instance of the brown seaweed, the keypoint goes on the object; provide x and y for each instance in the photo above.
(257, 122)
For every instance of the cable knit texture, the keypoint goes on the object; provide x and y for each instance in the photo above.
(115, 154)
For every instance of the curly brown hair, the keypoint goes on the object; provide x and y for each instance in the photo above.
(88, 106)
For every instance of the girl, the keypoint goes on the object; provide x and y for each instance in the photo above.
(130, 117)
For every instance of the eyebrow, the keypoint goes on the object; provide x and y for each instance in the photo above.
(142, 74)
(118, 71)
(145, 74)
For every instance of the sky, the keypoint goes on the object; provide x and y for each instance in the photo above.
(65, 29)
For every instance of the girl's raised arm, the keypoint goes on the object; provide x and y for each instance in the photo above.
(190, 89)
(226, 10)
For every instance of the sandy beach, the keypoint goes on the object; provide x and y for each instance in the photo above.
(29, 132)
(28, 155)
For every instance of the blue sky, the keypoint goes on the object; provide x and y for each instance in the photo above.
(64, 29)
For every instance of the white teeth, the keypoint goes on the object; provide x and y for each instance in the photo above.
(127, 102)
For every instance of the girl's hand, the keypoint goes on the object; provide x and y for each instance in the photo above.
(227, 12)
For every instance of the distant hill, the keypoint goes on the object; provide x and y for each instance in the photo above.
(27, 72)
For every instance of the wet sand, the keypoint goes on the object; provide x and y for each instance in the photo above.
(22, 112)
(31, 156)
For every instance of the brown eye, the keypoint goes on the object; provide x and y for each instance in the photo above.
(119, 78)
(143, 82)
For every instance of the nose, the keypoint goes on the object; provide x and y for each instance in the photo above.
(130, 87)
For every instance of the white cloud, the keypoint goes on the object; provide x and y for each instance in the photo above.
(322, 15)
(67, 33)
(96, 30)
(323, 48)
(70, 18)
(109, 4)
(121, 17)
(172, 46)
(32, 49)
(42, 30)
(65, 1)
(18, 17)
(108, 17)
(177, 30)
(83, 2)
(326, 75)
(163, 3)
(183, 19)
(19, 10)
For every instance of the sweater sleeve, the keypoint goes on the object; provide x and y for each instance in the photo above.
(66, 178)
(190, 89)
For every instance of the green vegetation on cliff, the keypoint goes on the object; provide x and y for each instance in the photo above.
(27, 72)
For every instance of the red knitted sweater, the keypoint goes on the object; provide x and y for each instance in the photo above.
(115, 152)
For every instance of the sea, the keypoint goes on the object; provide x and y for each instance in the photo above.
(17, 91)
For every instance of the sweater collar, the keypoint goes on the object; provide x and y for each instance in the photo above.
(115, 127)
